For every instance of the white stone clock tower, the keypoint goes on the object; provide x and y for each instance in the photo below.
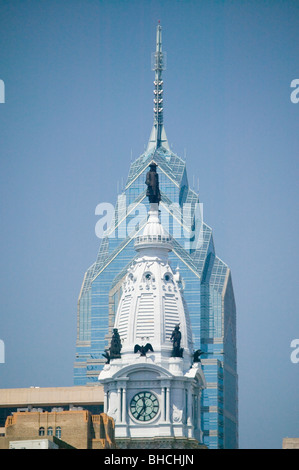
(152, 385)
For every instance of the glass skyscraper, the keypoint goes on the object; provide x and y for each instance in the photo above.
(208, 288)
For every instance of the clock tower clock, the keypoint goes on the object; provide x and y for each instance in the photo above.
(144, 406)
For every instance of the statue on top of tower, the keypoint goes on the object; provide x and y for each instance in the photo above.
(152, 182)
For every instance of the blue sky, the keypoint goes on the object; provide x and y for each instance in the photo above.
(78, 107)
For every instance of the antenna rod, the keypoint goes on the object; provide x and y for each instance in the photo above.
(158, 137)
(158, 64)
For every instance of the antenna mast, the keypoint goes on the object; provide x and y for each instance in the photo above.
(158, 136)
(158, 64)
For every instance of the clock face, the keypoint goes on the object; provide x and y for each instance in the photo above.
(144, 406)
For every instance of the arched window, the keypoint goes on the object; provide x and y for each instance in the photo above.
(50, 431)
(58, 432)
(167, 277)
(148, 277)
(41, 431)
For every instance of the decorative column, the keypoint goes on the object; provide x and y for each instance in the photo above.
(164, 403)
(119, 398)
(189, 417)
(168, 403)
(106, 402)
(124, 402)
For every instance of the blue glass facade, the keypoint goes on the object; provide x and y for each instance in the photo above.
(208, 289)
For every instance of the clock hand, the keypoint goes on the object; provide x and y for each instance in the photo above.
(142, 409)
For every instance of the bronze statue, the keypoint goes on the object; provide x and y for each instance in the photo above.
(106, 355)
(176, 335)
(152, 182)
(143, 349)
(115, 346)
(196, 355)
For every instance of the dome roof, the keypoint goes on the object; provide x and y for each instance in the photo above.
(153, 226)
(154, 235)
(152, 301)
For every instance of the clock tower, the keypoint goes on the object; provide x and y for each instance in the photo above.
(153, 378)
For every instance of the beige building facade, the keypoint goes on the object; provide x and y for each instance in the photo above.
(52, 396)
(69, 417)
(50, 399)
(77, 429)
(290, 443)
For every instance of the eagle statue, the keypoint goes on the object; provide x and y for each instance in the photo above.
(143, 349)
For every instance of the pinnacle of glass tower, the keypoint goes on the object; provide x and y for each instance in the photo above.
(158, 135)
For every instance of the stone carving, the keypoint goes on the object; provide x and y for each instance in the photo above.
(113, 413)
(177, 414)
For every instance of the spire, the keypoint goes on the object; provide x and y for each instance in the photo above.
(158, 136)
